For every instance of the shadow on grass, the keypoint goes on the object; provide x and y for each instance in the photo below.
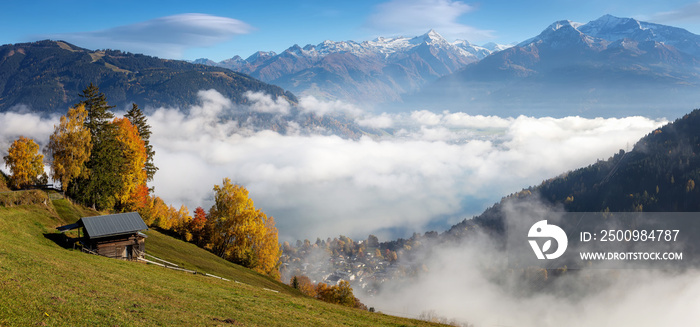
(61, 239)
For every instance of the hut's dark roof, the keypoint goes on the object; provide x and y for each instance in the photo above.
(116, 224)
(68, 227)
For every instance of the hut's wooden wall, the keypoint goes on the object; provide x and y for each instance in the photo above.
(121, 247)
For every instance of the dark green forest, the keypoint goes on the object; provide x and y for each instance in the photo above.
(49, 75)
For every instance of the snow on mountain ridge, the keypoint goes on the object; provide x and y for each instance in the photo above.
(613, 28)
(495, 47)
(386, 46)
(370, 71)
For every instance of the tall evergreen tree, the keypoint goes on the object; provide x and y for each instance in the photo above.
(138, 119)
(102, 182)
(98, 110)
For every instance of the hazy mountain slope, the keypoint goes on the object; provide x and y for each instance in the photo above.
(658, 175)
(47, 76)
(608, 67)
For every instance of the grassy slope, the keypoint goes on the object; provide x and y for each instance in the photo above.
(44, 284)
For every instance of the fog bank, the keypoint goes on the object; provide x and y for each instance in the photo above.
(429, 171)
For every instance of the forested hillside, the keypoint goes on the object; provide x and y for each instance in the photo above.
(658, 175)
(48, 75)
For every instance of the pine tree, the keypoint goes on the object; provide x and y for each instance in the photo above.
(138, 119)
(103, 180)
(98, 110)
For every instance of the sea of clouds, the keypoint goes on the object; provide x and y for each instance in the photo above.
(431, 171)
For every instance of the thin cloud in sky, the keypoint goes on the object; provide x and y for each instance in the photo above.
(166, 37)
(687, 12)
(414, 17)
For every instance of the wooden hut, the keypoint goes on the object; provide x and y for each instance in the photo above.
(114, 236)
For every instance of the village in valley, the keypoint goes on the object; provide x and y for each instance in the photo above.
(365, 264)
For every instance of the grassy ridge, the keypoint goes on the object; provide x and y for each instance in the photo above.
(42, 283)
(191, 257)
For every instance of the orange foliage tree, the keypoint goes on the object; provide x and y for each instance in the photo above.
(25, 162)
(338, 294)
(196, 226)
(133, 193)
(303, 284)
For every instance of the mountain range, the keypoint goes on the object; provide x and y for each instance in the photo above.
(608, 67)
(365, 72)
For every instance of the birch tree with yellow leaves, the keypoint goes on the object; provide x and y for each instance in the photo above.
(25, 162)
(70, 146)
(241, 233)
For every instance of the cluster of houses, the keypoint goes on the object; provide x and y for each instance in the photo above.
(366, 272)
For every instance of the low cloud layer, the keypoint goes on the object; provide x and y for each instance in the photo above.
(432, 171)
(166, 37)
(435, 170)
(16, 124)
(470, 283)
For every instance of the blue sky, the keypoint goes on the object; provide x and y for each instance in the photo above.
(222, 29)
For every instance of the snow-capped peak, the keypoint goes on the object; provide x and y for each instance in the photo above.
(494, 47)
(431, 37)
(472, 49)
(563, 24)
(432, 34)
(260, 55)
(613, 28)
(563, 33)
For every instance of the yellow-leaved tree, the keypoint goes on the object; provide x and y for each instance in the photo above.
(70, 146)
(133, 193)
(240, 233)
(25, 162)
